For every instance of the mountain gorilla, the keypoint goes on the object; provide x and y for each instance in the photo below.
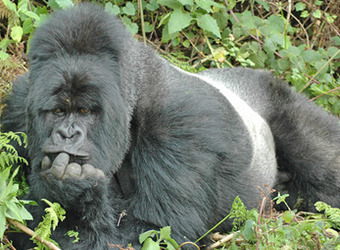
(113, 127)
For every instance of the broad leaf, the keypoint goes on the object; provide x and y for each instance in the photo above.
(178, 21)
(208, 23)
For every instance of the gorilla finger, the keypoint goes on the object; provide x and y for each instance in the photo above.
(91, 172)
(100, 174)
(73, 170)
(59, 165)
(61, 159)
(46, 163)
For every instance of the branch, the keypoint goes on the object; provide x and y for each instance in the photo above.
(30, 232)
(221, 241)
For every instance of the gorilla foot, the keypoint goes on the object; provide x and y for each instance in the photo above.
(61, 168)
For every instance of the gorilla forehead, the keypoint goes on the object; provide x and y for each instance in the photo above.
(73, 81)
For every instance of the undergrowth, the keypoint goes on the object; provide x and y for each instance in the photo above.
(298, 40)
(264, 230)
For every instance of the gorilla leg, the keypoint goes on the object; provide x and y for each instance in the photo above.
(307, 139)
(307, 146)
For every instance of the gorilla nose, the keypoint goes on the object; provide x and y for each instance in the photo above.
(69, 139)
(68, 133)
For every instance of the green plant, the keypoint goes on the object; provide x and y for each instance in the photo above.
(161, 239)
(333, 214)
(289, 230)
(54, 214)
(21, 22)
(278, 36)
(10, 206)
(12, 210)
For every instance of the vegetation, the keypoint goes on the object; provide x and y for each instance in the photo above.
(299, 41)
(264, 229)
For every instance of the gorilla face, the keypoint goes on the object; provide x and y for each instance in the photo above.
(66, 116)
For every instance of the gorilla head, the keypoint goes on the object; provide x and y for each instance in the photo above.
(113, 127)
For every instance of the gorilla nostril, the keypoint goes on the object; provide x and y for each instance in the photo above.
(64, 134)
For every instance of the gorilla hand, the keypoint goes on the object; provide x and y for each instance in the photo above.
(62, 169)
(83, 184)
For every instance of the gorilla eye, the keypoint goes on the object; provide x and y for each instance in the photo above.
(59, 111)
(84, 111)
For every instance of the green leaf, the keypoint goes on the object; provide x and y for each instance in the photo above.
(278, 39)
(294, 50)
(309, 55)
(129, 9)
(208, 23)
(22, 5)
(32, 15)
(65, 3)
(269, 46)
(281, 198)
(206, 5)
(146, 235)
(149, 244)
(259, 59)
(221, 18)
(248, 230)
(2, 221)
(9, 5)
(317, 14)
(320, 65)
(332, 51)
(265, 4)
(152, 5)
(288, 216)
(276, 24)
(318, 2)
(171, 244)
(4, 174)
(74, 234)
(305, 14)
(178, 21)
(3, 55)
(16, 33)
(28, 26)
(283, 64)
(112, 9)
(148, 27)
(300, 6)
(330, 18)
(17, 211)
(4, 43)
(186, 2)
(130, 26)
(170, 3)
(165, 233)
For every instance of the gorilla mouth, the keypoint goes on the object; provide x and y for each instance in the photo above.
(80, 157)
(76, 153)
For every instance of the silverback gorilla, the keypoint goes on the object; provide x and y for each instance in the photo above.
(113, 127)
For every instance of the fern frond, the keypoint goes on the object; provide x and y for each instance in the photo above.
(4, 12)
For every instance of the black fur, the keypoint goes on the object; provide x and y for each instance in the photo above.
(168, 147)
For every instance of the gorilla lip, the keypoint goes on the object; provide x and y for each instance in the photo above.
(77, 153)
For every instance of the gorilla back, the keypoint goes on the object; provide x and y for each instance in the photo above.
(112, 127)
